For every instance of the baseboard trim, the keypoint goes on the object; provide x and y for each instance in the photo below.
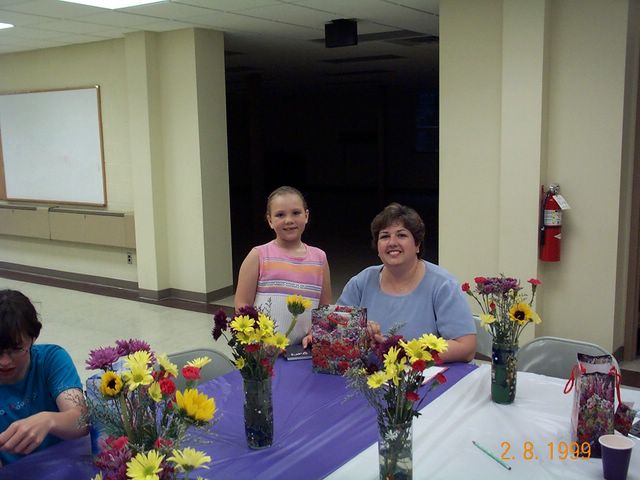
(110, 287)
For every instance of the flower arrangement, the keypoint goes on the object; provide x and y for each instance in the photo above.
(297, 305)
(253, 341)
(390, 381)
(144, 418)
(505, 309)
(393, 374)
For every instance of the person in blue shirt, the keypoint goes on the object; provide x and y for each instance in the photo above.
(41, 400)
(407, 290)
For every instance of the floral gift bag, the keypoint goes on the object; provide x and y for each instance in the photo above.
(339, 337)
(595, 379)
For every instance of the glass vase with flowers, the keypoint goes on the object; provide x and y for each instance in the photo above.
(255, 347)
(138, 419)
(391, 381)
(505, 314)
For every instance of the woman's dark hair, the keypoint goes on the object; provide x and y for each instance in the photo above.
(396, 213)
(18, 317)
(285, 189)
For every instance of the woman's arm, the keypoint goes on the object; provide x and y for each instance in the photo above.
(461, 349)
(25, 435)
(247, 280)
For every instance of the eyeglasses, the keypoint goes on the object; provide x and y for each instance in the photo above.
(14, 352)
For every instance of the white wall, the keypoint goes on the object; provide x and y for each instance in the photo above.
(583, 52)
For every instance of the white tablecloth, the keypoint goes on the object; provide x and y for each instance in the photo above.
(442, 435)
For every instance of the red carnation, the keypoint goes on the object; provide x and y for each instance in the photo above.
(436, 358)
(412, 396)
(167, 387)
(252, 347)
(191, 373)
(534, 281)
(480, 280)
(440, 378)
(419, 365)
(465, 287)
(117, 443)
(162, 442)
(264, 362)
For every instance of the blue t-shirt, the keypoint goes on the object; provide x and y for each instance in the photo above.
(50, 373)
(437, 305)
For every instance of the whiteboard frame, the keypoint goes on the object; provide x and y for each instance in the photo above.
(88, 124)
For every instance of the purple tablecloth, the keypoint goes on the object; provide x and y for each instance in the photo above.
(318, 426)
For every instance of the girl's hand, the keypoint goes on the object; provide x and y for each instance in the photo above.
(375, 334)
(306, 341)
(25, 435)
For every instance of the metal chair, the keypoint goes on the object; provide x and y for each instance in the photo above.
(484, 341)
(554, 356)
(219, 365)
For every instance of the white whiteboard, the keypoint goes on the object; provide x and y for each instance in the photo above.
(52, 146)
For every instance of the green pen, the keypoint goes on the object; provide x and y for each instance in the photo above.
(492, 455)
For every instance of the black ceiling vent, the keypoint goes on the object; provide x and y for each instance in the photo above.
(341, 33)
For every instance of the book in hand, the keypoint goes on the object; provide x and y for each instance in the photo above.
(296, 352)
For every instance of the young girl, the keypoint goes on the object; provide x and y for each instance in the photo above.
(41, 397)
(285, 266)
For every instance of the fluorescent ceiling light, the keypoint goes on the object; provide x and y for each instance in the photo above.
(5, 25)
(113, 4)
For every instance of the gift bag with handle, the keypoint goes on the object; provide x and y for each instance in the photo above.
(594, 380)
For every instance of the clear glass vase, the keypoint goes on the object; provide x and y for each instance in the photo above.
(395, 445)
(504, 365)
(258, 413)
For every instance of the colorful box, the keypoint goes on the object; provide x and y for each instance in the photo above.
(339, 337)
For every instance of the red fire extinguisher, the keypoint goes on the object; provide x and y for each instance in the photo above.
(551, 224)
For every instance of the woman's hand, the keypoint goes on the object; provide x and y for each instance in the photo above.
(375, 334)
(306, 341)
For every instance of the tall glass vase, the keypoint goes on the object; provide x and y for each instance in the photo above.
(395, 451)
(504, 365)
(258, 413)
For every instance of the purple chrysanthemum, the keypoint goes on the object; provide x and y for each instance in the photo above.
(249, 310)
(102, 358)
(219, 324)
(127, 347)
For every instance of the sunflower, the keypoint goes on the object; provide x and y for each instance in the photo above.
(145, 467)
(196, 405)
(521, 313)
(296, 304)
(189, 458)
(111, 384)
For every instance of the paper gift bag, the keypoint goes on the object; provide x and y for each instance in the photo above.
(594, 380)
(339, 337)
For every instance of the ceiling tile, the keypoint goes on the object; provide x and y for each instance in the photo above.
(54, 9)
(119, 19)
(169, 11)
(21, 19)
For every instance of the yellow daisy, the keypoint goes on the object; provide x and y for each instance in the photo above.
(110, 384)
(434, 342)
(416, 350)
(199, 362)
(138, 375)
(240, 363)
(196, 405)
(487, 319)
(154, 392)
(265, 323)
(243, 324)
(141, 359)
(145, 467)
(189, 458)
(376, 379)
(279, 340)
(167, 365)
(98, 476)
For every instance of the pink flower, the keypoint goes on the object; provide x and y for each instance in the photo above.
(480, 280)
(534, 281)
(102, 358)
(465, 287)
